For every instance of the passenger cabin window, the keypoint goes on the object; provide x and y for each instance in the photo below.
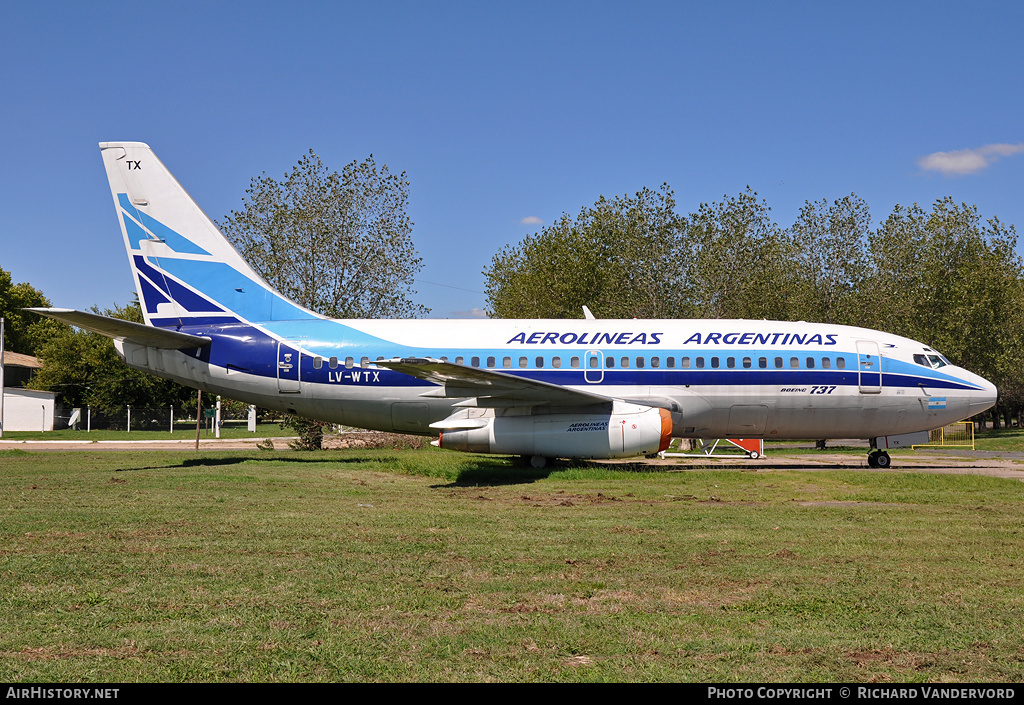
(730, 362)
(841, 363)
(574, 363)
(318, 362)
(794, 362)
(523, 362)
(684, 363)
(349, 363)
(609, 362)
(540, 362)
(506, 363)
(700, 363)
(491, 361)
(475, 362)
(747, 363)
(778, 363)
(670, 362)
(655, 362)
(810, 363)
(826, 363)
(714, 363)
(625, 363)
(444, 358)
(333, 362)
(595, 362)
(640, 362)
(762, 362)
(556, 362)
(460, 360)
(365, 362)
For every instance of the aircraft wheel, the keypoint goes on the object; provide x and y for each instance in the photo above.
(538, 462)
(882, 460)
(872, 459)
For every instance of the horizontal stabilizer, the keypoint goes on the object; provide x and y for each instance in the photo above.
(125, 330)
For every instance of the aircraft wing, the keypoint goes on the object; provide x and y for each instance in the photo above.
(489, 387)
(125, 330)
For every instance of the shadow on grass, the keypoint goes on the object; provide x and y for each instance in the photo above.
(511, 471)
(270, 459)
(497, 473)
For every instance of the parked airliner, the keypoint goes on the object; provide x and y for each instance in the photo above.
(539, 389)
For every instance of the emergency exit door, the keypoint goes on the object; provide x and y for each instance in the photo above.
(288, 358)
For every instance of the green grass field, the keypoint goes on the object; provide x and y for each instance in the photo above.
(435, 566)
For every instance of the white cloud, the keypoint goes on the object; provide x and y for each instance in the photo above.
(471, 313)
(967, 161)
(531, 220)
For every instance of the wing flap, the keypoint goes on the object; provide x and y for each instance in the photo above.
(125, 330)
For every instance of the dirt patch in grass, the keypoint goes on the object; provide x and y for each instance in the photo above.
(375, 440)
(838, 503)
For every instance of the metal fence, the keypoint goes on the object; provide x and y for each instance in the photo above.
(129, 419)
(955, 435)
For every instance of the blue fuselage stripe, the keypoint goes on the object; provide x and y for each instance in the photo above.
(246, 347)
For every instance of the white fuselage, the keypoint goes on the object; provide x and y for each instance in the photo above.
(719, 378)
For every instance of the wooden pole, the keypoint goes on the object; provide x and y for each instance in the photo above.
(199, 413)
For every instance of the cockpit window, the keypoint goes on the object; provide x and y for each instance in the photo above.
(932, 361)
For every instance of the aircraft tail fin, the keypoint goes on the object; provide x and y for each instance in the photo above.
(186, 272)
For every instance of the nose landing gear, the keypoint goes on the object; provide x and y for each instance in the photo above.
(879, 459)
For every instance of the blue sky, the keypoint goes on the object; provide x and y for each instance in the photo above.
(503, 115)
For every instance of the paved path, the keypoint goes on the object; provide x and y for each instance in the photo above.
(975, 462)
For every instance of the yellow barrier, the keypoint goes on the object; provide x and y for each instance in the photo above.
(955, 435)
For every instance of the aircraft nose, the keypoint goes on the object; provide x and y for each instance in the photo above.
(984, 398)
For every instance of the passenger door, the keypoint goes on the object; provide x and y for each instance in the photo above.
(869, 367)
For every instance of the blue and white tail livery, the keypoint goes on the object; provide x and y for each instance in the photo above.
(534, 388)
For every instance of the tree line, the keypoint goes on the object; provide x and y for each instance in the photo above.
(941, 275)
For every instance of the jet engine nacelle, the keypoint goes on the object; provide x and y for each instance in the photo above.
(627, 431)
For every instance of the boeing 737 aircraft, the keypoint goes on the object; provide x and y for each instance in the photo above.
(540, 389)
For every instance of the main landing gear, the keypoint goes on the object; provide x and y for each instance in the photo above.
(879, 458)
(537, 462)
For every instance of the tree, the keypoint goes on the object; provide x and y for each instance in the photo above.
(739, 261)
(621, 258)
(636, 257)
(338, 244)
(23, 330)
(830, 258)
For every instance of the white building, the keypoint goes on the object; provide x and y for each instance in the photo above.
(25, 409)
